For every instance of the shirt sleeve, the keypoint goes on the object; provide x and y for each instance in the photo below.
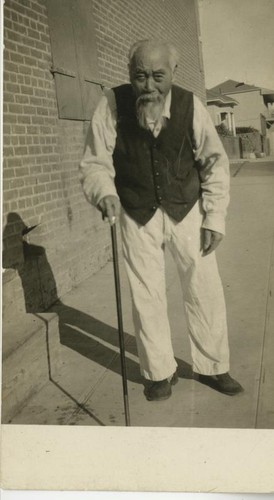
(214, 169)
(96, 170)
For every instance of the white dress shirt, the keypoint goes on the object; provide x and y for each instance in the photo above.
(97, 170)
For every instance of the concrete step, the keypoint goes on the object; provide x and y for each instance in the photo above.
(68, 349)
(25, 365)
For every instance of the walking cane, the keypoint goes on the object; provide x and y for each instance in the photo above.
(119, 317)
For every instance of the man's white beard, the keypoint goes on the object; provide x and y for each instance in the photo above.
(150, 108)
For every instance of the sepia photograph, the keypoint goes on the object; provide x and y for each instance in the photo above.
(137, 226)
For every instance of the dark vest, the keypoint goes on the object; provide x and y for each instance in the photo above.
(153, 172)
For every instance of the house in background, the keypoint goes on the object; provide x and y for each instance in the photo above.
(254, 109)
(270, 123)
(221, 109)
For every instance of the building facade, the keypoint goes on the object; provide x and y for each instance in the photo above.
(221, 110)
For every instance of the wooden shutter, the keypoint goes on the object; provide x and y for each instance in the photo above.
(85, 41)
(74, 54)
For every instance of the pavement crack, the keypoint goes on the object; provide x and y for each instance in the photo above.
(239, 168)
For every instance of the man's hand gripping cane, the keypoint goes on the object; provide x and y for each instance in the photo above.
(110, 208)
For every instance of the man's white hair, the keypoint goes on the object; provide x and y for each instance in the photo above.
(154, 43)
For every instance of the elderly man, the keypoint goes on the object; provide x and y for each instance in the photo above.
(153, 157)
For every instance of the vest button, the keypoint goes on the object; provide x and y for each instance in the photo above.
(159, 198)
(154, 208)
(158, 187)
(157, 173)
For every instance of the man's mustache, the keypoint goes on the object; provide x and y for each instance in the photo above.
(149, 97)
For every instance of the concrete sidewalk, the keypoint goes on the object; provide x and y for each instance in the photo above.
(81, 354)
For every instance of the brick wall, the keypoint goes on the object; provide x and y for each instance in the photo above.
(121, 22)
(41, 152)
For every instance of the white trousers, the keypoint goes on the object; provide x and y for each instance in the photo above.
(143, 250)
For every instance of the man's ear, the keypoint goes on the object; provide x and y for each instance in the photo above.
(129, 70)
(174, 72)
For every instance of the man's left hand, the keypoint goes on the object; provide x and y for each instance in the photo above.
(211, 240)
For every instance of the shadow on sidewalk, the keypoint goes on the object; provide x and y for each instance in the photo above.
(78, 331)
(85, 334)
(94, 339)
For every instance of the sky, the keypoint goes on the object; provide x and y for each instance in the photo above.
(238, 41)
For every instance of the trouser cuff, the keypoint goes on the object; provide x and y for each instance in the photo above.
(216, 369)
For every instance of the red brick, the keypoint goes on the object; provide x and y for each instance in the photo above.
(24, 119)
(17, 183)
(12, 162)
(10, 118)
(39, 188)
(33, 34)
(29, 202)
(16, 58)
(22, 99)
(8, 25)
(34, 150)
(20, 150)
(8, 173)
(24, 69)
(38, 72)
(30, 61)
(37, 120)
(23, 50)
(13, 206)
(29, 110)
(22, 203)
(32, 130)
(15, 108)
(14, 139)
(30, 212)
(40, 92)
(10, 195)
(18, 129)
(26, 191)
(7, 140)
(12, 87)
(22, 171)
(44, 38)
(10, 45)
(26, 90)
(8, 97)
(6, 128)
(42, 111)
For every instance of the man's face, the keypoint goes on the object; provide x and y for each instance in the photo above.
(150, 73)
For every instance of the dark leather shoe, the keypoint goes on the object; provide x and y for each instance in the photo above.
(161, 390)
(223, 383)
(174, 378)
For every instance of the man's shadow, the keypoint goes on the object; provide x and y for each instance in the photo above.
(77, 330)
